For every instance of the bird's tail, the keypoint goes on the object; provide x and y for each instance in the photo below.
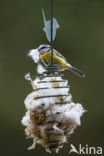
(44, 18)
(76, 71)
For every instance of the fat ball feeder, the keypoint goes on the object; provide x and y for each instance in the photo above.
(51, 114)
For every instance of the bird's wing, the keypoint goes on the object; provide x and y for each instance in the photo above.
(60, 55)
(46, 62)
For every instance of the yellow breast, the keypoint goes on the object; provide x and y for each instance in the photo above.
(56, 60)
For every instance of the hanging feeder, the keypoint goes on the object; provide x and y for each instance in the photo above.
(51, 114)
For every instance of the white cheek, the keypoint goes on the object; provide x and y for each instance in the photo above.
(44, 50)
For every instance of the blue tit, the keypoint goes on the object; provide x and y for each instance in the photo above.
(45, 57)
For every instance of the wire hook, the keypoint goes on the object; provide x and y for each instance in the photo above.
(51, 32)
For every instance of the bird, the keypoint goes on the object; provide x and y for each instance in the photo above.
(47, 27)
(58, 59)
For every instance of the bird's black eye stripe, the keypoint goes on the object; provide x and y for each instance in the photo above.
(42, 47)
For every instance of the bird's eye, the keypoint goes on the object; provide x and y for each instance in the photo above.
(42, 47)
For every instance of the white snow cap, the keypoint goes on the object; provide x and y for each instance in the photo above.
(34, 53)
(40, 69)
(27, 77)
(25, 120)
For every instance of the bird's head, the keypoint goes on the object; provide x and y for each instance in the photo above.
(43, 48)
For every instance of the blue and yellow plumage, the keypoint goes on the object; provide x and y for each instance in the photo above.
(45, 57)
